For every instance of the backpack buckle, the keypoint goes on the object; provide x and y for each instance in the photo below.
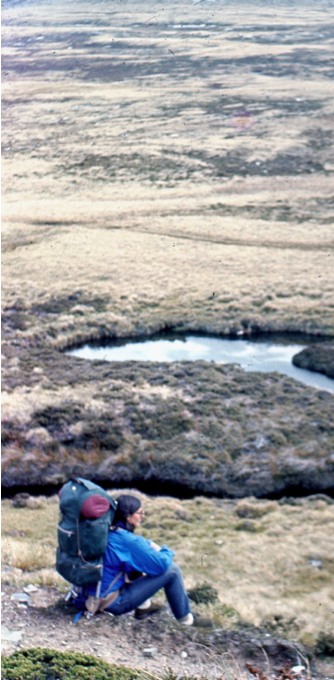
(73, 593)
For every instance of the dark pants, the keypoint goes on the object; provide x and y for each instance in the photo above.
(132, 595)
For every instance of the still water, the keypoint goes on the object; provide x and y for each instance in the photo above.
(255, 355)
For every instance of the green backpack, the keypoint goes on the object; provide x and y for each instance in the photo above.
(87, 512)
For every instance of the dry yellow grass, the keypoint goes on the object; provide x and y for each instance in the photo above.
(110, 183)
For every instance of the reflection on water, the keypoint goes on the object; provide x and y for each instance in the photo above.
(252, 356)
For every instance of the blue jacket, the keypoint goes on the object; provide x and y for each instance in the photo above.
(127, 552)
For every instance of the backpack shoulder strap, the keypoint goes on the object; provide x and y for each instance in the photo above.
(96, 603)
(106, 593)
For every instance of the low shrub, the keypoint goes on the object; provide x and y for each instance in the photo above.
(325, 644)
(252, 509)
(203, 593)
(248, 525)
(49, 664)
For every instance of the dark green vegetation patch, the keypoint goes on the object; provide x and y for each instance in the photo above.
(316, 358)
(48, 664)
(325, 644)
(203, 593)
(213, 427)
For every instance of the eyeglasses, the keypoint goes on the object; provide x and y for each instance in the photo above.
(139, 512)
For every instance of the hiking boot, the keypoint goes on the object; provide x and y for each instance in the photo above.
(141, 614)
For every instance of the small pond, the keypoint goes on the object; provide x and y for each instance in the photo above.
(260, 354)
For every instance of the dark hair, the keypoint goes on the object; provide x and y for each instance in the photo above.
(126, 505)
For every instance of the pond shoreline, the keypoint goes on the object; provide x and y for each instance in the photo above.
(253, 352)
(181, 331)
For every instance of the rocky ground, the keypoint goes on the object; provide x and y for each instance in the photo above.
(39, 617)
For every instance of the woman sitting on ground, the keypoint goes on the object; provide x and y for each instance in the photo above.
(153, 565)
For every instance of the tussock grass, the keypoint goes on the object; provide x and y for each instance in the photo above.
(277, 577)
(248, 508)
(26, 556)
(188, 274)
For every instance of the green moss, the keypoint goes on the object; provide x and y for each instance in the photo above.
(227, 611)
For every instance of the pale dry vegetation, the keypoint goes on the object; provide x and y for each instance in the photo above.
(178, 162)
(272, 563)
(145, 183)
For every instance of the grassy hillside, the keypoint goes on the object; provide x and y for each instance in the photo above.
(271, 562)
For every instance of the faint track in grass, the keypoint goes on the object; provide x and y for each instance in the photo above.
(293, 245)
